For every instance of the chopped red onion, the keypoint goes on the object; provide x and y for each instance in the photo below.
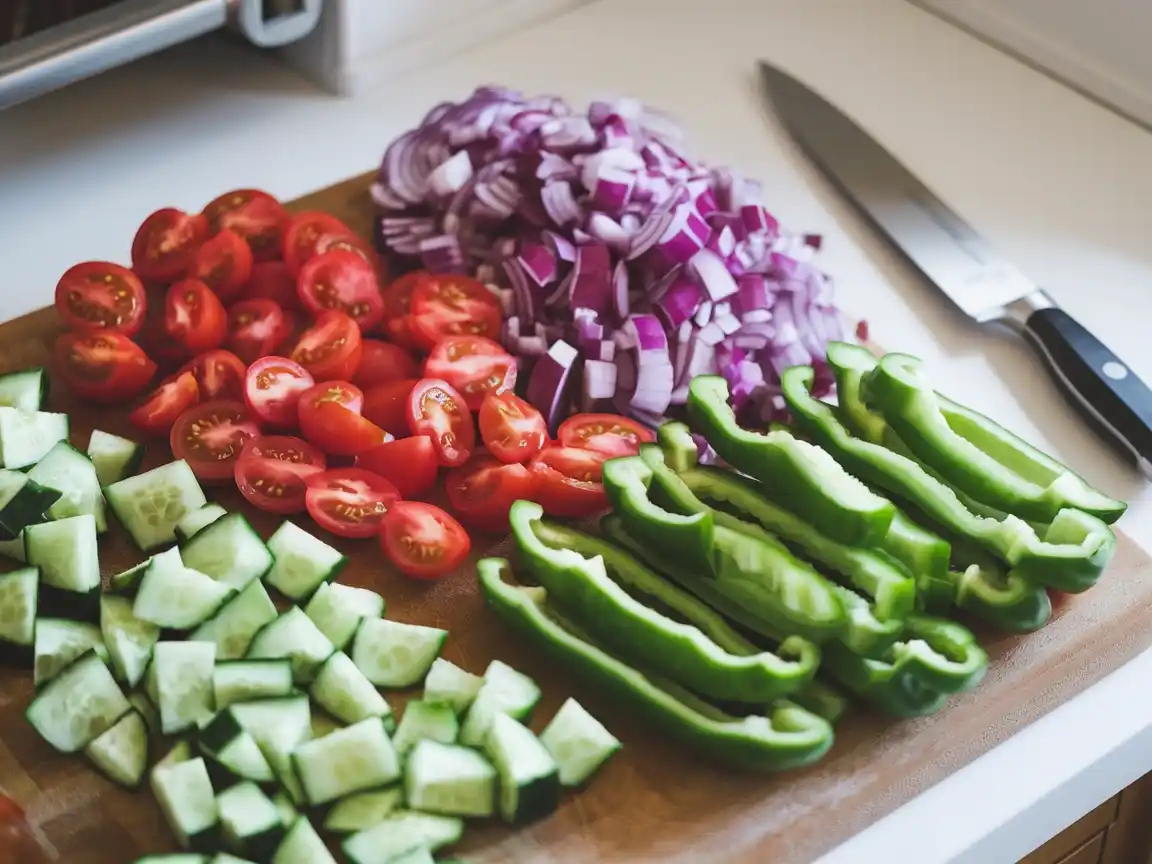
(599, 381)
(703, 314)
(538, 263)
(712, 273)
(449, 176)
(681, 238)
(679, 303)
(620, 300)
(560, 203)
(550, 379)
(608, 231)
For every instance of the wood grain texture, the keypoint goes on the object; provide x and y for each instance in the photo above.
(653, 802)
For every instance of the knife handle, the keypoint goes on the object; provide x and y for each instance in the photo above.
(1099, 382)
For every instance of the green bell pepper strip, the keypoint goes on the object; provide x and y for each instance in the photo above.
(675, 441)
(757, 573)
(823, 700)
(582, 588)
(1007, 601)
(789, 737)
(1071, 556)
(884, 685)
(818, 489)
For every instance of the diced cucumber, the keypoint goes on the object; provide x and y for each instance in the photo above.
(14, 549)
(401, 832)
(23, 502)
(26, 390)
(505, 691)
(72, 473)
(197, 520)
(393, 654)
(338, 609)
(184, 680)
(363, 810)
(140, 701)
(325, 724)
(127, 581)
(448, 779)
(151, 505)
(27, 436)
(293, 635)
(449, 684)
(285, 808)
(353, 759)
(578, 742)
(240, 619)
(69, 560)
(18, 593)
(279, 726)
(529, 776)
(59, 643)
(303, 846)
(114, 457)
(250, 821)
(342, 690)
(78, 705)
(121, 753)
(229, 550)
(129, 640)
(422, 720)
(244, 680)
(185, 795)
(238, 761)
(303, 562)
(175, 596)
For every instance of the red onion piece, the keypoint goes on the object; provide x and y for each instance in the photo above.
(679, 303)
(549, 382)
(560, 203)
(710, 270)
(538, 263)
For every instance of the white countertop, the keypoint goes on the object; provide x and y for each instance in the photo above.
(1060, 185)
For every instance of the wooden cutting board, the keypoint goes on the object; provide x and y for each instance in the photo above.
(655, 801)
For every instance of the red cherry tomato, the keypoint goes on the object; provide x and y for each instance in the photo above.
(398, 308)
(386, 405)
(256, 216)
(303, 232)
(410, 464)
(336, 429)
(256, 328)
(609, 434)
(447, 304)
(219, 374)
(194, 316)
(98, 296)
(272, 388)
(343, 281)
(435, 409)
(473, 365)
(381, 362)
(210, 436)
(483, 489)
(273, 470)
(350, 502)
(423, 541)
(569, 481)
(102, 367)
(166, 243)
(331, 348)
(224, 263)
(272, 280)
(512, 429)
(166, 404)
(352, 243)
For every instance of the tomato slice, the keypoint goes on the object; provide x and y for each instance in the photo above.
(210, 436)
(423, 541)
(447, 304)
(302, 234)
(272, 388)
(102, 367)
(273, 470)
(272, 280)
(98, 296)
(482, 491)
(386, 405)
(166, 243)
(409, 463)
(350, 502)
(435, 409)
(474, 365)
(331, 348)
(512, 429)
(194, 316)
(609, 434)
(336, 429)
(219, 374)
(166, 404)
(256, 328)
(398, 308)
(569, 481)
(345, 281)
(348, 242)
(224, 263)
(255, 215)
(381, 362)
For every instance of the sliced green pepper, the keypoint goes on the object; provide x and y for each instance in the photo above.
(788, 737)
(823, 700)
(1008, 602)
(679, 448)
(883, 684)
(818, 489)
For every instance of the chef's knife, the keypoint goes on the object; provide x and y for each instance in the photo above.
(953, 257)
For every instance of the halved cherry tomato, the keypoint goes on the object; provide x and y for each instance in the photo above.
(570, 481)
(272, 388)
(381, 362)
(386, 405)
(194, 316)
(166, 243)
(98, 296)
(423, 541)
(511, 429)
(256, 328)
(224, 262)
(435, 409)
(166, 404)
(210, 436)
(272, 280)
(303, 232)
(102, 367)
(350, 502)
(347, 242)
(409, 463)
(609, 434)
(398, 308)
(273, 470)
(345, 281)
(447, 304)
(255, 215)
(331, 348)
(482, 491)
(473, 365)
(219, 374)
(336, 429)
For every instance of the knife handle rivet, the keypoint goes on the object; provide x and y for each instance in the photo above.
(1115, 371)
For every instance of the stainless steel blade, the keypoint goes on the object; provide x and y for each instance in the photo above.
(941, 244)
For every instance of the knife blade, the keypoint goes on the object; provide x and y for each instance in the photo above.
(961, 265)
